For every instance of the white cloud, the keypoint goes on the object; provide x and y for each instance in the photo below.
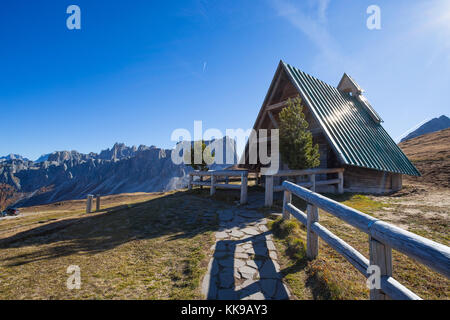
(310, 19)
(322, 9)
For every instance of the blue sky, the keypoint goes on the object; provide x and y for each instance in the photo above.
(137, 70)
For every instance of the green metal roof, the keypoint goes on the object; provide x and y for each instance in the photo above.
(355, 136)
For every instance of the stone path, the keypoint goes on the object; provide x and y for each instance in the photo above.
(244, 263)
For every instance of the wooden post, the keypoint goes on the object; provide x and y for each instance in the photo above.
(244, 182)
(97, 203)
(312, 239)
(190, 183)
(312, 179)
(213, 185)
(286, 199)
(341, 182)
(227, 180)
(269, 191)
(201, 179)
(381, 256)
(90, 200)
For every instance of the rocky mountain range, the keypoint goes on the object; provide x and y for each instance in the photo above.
(65, 175)
(13, 157)
(436, 124)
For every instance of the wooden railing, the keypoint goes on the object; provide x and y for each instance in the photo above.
(311, 184)
(214, 181)
(383, 237)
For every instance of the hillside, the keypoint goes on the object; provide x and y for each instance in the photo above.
(436, 124)
(430, 154)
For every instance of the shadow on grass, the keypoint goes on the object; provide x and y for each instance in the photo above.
(295, 249)
(178, 214)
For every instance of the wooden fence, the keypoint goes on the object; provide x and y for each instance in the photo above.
(311, 184)
(383, 237)
(90, 203)
(214, 182)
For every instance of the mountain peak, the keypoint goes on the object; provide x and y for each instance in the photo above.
(436, 124)
(13, 156)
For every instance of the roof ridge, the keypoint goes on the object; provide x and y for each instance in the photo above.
(315, 78)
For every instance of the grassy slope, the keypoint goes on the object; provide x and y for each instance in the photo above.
(430, 153)
(152, 249)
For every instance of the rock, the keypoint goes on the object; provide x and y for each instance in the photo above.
(273, 255)
(241, 255)
(250, 231)
(227, 263)
(248, 272)
(269, 286)
(252, 264)
(226, 279)
(239, 263)
(221, 246)
(227, 294)
(268, 271)
(250, 251)
(209, 288)
(221, 235)
(237, 234)
(247, 245)
(255, 296)
(270, 246)
(220, 254)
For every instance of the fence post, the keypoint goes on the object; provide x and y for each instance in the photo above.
(244, 182)
(97, 203)
(213, 185)
(90, 200)
(312, 239)
(312, 179)
(381, 256)
(269, 191)
(341, 182)
(201, 180)
(190, 182)
(286, 199)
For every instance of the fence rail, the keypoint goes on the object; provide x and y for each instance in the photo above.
(311, 184)
(383, 237)
(215, 183)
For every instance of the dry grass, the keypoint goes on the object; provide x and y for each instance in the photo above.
(332, 277)
(152, 247)
(430, 154)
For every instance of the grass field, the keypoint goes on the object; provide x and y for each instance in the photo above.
(156, 246)
(145, 246)
(332, 277)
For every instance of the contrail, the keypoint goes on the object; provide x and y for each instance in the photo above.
(397, 140)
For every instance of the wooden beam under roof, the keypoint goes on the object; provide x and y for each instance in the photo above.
(276, 105)
(272, 118)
